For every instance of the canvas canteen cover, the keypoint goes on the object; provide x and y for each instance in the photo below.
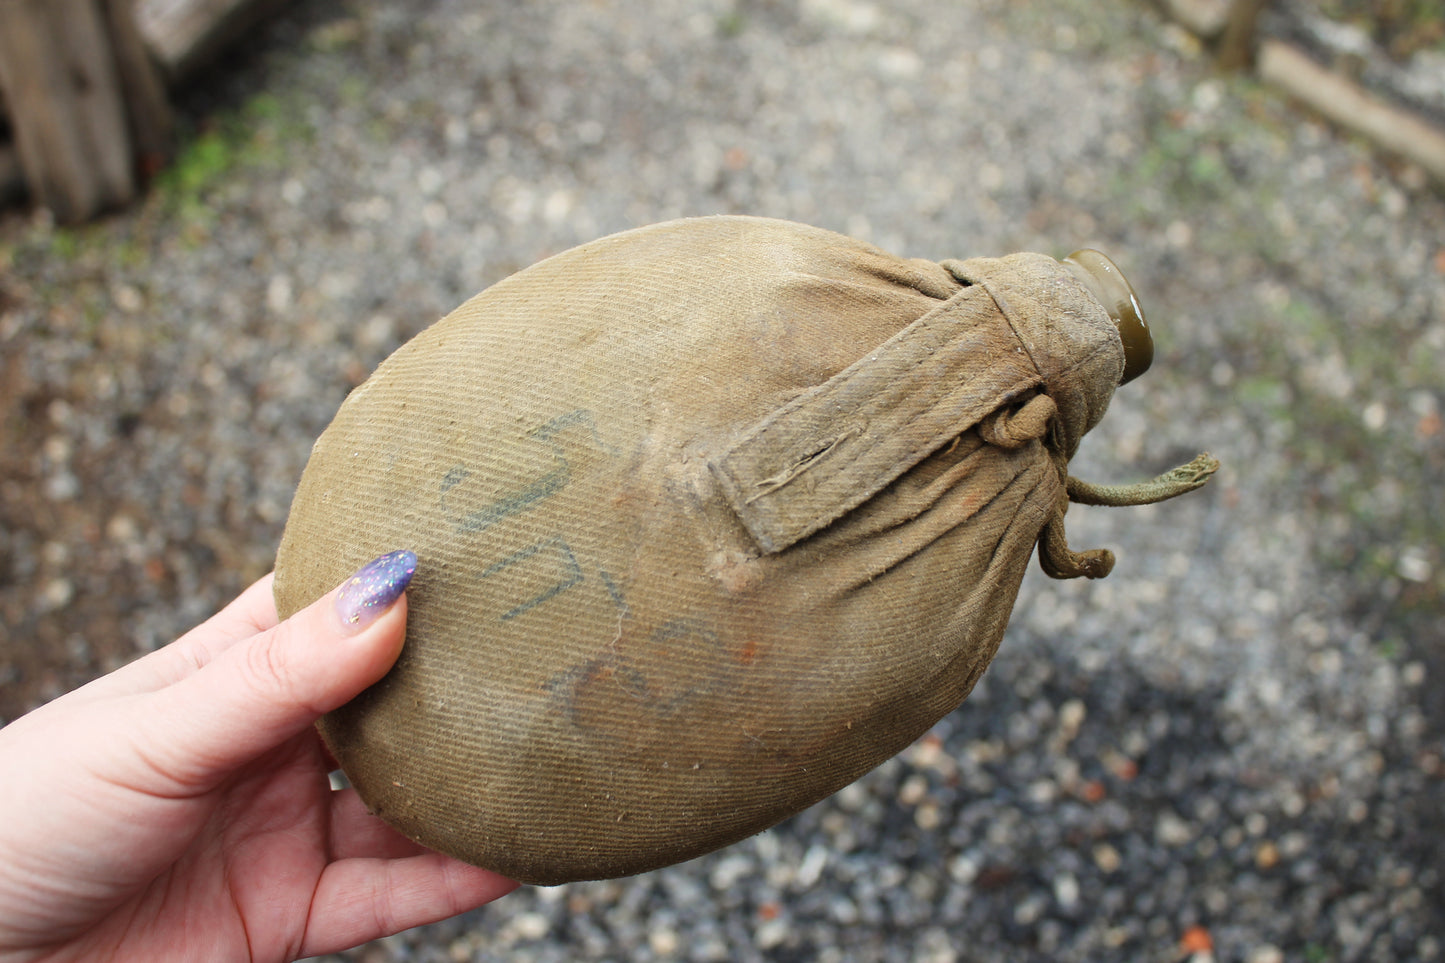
(711, 518)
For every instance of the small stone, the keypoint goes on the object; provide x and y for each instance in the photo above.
(1170, 830)
(811, 868)
(1029, 911)
(429, 180)
(663, 941)
(963, 868)
(1196, 940)
(710, 950)
(927, 751)
(1294, 845)
(851, 16)
(56, 594)
(771, 933)
(278, 293)
(122, 528)
(127, 298)
(1179, 235)
(1414, 565)
(852, 797)
(1066, 891)
(1265, 954)
(62, 487)
(913, 790)
(843, 910)
(530, 926)
(935, 946)
(60, 413)
(1071, 717)
(729, 870)
(1043, 792)
(57, 449)
(899, 63)
(1107, 858)
(557, 207)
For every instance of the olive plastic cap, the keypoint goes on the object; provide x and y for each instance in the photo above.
(1103, 279)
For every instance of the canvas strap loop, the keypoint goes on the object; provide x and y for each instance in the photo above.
(838, 444)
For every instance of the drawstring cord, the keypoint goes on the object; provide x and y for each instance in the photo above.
(1015, 426)
(1177, 481)
(1059, 561)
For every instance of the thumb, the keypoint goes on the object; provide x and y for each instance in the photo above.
(274, 685)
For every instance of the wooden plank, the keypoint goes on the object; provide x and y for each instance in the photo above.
(62, 92)
(1237, 46)
(184, 35)
(1343, 102)
(12, 181)
(1205, 18)
(147, 109)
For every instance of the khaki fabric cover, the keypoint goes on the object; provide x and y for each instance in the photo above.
(711, 518)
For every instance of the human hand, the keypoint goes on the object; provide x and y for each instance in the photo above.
(179, 808)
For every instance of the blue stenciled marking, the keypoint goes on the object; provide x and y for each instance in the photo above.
(454, 478)
(571, 573)
(613, 592)
(544, 487)
(517, 502)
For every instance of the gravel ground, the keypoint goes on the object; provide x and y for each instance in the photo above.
(1231, 748)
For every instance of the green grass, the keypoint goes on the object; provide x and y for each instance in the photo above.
(259, 134)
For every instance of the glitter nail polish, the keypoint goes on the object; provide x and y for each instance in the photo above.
(371, 591)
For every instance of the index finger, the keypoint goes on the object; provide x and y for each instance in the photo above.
(249, 614)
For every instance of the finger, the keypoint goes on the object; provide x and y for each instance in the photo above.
(355, 832)
(274, 685)
(253, 611)
(250, 613)
(364, 899)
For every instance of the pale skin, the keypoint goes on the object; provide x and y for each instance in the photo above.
(179, 808)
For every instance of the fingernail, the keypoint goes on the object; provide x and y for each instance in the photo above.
(372, 590)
